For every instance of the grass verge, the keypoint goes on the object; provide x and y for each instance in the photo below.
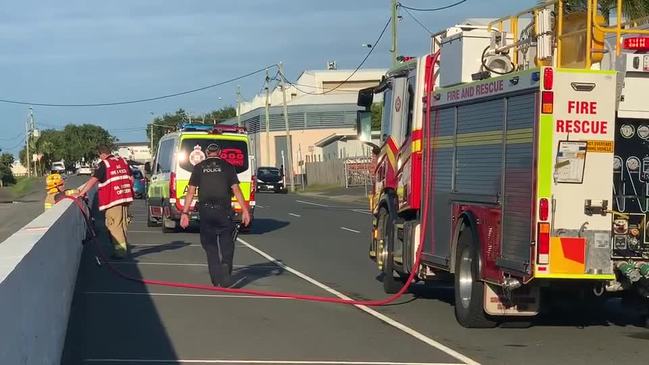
(23, 186)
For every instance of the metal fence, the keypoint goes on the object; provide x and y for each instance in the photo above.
(346, 172)
(358, 171)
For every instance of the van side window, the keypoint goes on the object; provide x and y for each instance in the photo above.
(165, 156)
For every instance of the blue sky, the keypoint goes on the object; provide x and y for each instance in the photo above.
(80, 51)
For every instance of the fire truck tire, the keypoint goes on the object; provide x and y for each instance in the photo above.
(469, 290)
(391, 285)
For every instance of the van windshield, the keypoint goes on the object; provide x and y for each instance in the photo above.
(192, 151)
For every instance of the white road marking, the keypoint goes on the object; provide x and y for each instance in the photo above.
(349, 229)
(310, 203)
(183, 264)
(172, 245)
(260, 362)
(181, 295)
(259, 206)
(294, 215)
(394, 323)
(363, 211)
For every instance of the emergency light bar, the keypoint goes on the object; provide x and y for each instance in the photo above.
(214, 129)
(187, 127)
(636, 43)
(219, 129)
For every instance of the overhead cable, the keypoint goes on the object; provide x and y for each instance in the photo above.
(432, 9)
(136, 101)
(369, 53)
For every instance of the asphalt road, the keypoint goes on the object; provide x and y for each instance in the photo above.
(15, 215)
(321, 248)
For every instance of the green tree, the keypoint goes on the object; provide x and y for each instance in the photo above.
(7, 159)
(633, 9)
(171, 122)
(165, 124)
(221, 115)
(377, 113)
(73, 144)
(6, 175)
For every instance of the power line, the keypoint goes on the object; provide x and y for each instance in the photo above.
(21, 143)
(417, 21)
(353, 72)
(432, 9)
(13, 138)
(125, 102)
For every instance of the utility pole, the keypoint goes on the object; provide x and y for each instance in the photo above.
(28, 135)
(151, 137)
(395, 20)
(267, 113)
(289, 147)
(239, 105)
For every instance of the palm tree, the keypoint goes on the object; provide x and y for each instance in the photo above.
(633, 9)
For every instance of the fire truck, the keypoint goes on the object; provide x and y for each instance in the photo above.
(503, 162)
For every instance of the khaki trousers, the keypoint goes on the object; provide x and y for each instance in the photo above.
(117, 223)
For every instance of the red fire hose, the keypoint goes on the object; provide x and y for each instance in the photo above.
(313, 298)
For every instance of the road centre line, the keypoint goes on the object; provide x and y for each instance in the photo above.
(388, 320)
(259, 362)
(181, 295)
(294, 215)
(310, 203)
(349, 229)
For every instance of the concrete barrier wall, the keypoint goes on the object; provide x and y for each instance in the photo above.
(38, 269)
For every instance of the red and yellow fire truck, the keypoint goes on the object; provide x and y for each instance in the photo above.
(496, 164)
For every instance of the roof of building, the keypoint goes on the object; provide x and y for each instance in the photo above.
(309, 87)
(340, 137)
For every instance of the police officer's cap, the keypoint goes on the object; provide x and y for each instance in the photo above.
(213, 148)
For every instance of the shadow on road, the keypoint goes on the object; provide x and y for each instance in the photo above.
(112, 326)
(175, 245)
(264, 225)
(246, 275)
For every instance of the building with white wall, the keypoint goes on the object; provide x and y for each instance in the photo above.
(136, 151)
(321, 103)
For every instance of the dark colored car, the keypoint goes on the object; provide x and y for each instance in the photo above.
(270, 179)
(139, 184)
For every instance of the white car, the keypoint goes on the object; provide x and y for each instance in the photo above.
(58, 166)
(84, 170)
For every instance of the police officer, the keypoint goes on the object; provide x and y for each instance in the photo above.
(216, 181)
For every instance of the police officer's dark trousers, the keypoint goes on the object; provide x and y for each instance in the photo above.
(217, 240)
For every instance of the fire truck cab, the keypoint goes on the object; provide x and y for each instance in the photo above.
(497, 162)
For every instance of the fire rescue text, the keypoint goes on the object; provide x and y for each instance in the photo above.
(579, 125)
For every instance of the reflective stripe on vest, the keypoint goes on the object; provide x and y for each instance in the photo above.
(117, 189)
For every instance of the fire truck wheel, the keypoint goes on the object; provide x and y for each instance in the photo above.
(391, 285)
(469, 290)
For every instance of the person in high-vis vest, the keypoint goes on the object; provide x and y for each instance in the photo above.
(54, 185)
(113, 174)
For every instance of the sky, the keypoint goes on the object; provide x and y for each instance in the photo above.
(80, 51)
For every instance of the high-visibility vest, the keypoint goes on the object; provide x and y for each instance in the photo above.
(117, 188)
